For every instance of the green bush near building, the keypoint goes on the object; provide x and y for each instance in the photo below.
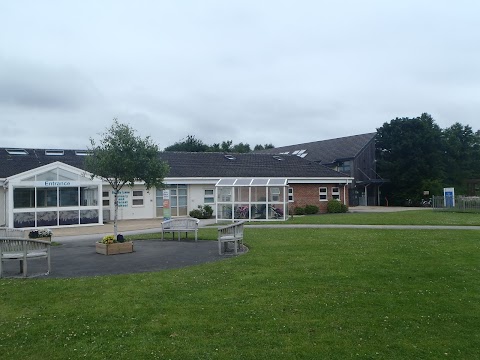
(335, 207)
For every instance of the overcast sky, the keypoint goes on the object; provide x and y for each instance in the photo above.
(271, 71)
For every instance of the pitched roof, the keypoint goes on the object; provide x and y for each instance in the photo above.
(16, 164)
(185, 165)
(243, 165)
(327, 151)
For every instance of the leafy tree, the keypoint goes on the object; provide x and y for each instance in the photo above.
(462, 155)
(409, 154)
(241, 148)
(263, 147)
(190, 144)
(122, 158)
(227, 146)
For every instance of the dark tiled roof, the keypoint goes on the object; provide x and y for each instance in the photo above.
(244, 165)
(15, 164)
(187, 165)
(328, 151)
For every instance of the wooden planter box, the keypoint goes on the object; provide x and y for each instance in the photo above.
(115, 248)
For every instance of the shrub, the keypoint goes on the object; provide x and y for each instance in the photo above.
(299, 211)
(203, 212)
(335, 206)
(311, 209)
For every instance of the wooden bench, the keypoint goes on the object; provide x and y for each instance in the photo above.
(230, 234)
(23, 249)
(179, 225)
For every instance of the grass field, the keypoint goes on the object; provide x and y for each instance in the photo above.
(297, 294)
(411, 217)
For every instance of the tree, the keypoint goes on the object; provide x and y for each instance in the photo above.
(409, 154)
(462, 155)
(241, 148)
(122, 158)
(190, 144)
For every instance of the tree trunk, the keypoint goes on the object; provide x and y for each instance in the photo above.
(115, 216)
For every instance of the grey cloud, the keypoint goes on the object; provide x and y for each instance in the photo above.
(43, 87)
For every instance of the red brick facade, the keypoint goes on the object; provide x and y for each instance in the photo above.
(309, 194)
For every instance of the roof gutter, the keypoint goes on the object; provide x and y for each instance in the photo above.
(335, 180)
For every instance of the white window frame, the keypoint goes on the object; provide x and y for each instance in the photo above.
(137, 197)
(323, 193)
(336, 194)
(290, 194)
(208, 198)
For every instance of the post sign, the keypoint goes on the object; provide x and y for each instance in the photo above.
(167, 212)
(449, 197)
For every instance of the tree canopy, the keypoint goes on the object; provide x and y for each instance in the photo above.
(416, 155)
(192, 144)
(123, 158)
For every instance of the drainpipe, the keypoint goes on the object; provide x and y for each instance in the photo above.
(366, 195)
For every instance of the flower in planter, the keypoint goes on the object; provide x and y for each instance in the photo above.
(108, 239)
(39, 233)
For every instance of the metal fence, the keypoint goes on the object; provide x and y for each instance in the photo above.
(458, 204)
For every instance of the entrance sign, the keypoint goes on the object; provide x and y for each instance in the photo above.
(52, 183)
(167, 212)
(449, 197)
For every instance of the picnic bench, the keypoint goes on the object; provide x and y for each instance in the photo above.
(230, 234)
(19, 248)
(180, 225)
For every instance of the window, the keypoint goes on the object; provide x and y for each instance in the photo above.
(46, 197)
(137, 198)
(209, 197)
(274, 194)
(290, 194)
(68, 196)
(178, 200)
(323, 194)
(24, 198)
(344, 167)
(17, 151)
(88, 196)
(106, 198)
(336, 193)
(54, 152)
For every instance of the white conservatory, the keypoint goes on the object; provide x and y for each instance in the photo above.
(252, 199)
(56, 194)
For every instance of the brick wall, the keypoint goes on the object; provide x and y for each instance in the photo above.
(308, 194)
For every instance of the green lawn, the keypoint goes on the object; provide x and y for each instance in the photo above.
(411, 217)
(297, 294)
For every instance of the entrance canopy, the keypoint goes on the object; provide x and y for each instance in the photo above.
(251, 199)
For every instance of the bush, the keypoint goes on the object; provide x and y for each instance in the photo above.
(311, 209)
(299, 211)
(203, 212)
(335, 206)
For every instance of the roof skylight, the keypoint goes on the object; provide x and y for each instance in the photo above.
(54, 152)
(81, 152)
(229, 157)
(17, 151)
(279, 158)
